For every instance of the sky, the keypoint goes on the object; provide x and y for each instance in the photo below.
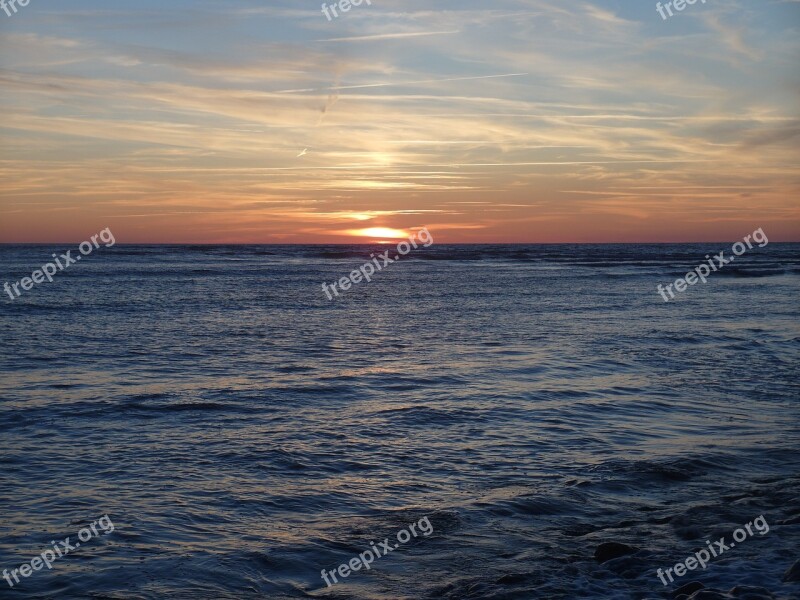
(233, 121)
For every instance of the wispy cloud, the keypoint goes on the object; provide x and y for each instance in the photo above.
(387, 36)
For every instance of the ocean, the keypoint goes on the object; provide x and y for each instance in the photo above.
(541, 405)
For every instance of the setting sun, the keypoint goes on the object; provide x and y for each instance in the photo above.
(379, 232)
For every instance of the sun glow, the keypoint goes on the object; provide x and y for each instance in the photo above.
(379, 232)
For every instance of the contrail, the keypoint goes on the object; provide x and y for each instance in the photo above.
(386, 36)
(374, 85)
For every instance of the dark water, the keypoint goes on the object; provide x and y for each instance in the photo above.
(243, 432)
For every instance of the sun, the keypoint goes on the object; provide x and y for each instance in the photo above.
(379, 232)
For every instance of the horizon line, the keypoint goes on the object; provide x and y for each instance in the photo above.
(390, 243)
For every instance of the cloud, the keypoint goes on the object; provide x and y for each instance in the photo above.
(387, 36)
